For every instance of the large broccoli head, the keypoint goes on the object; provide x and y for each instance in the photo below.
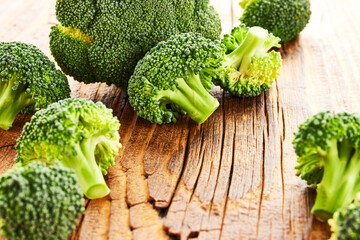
(81, 134)
(284, 18)
(102, 40)
(248, 69)
(327, 146)
(28, 81)
(345, 225)
(37, 202)
(173, 78)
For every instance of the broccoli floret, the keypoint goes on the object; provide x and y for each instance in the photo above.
(170, 79)
(81, 134)
(284, 18)
(345, 225)
(327, 146)
(102, 41)
(248, 69)
(175, 76)
(28, 81)
(39, 202)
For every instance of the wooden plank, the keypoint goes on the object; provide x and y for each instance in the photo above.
(232, 177)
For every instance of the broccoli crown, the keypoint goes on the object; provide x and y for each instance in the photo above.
(284, 18)
(121, 32)
(345, 225)
(172, 78)
(28, 81)
(37, 202)
(248, 69)
(327, 146)
(80, 134)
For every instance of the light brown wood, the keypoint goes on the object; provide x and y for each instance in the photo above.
(232, 177)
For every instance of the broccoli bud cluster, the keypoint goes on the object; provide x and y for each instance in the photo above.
(284, 18)
(28, 81)
(106, 38)
(39, 202)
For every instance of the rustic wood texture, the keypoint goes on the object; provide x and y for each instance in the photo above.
(232, 177)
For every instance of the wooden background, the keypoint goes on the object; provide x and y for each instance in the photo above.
(232, 177)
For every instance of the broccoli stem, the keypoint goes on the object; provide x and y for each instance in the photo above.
(88, 172)
(12, 102)
(338, 186)
(252, 45)
(192, 97)
(244, 3)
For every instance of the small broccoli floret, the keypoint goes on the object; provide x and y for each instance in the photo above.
(28, 81)
(327, 146)
(81, 134)
(37, 202)
(345, 225)
(121, 33)
(172, 79)
(248, 69)
(284, 18)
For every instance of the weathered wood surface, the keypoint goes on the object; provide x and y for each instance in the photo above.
(232, 177)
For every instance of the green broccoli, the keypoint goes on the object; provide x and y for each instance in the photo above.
(81, 134)
(345, 225)
(284, 18)
(172, 79)
(327, 146)
(37, 202)
(248, 69)
(102, 41)
(28, 81)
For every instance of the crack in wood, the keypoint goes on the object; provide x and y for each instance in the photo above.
(229, 183)
(75, 234)
(282, 174)
(262, 187)
(188, 232)
(187, 146)
(9, 145)
(200, 163)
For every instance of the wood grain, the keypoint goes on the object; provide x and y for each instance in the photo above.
(232, 177)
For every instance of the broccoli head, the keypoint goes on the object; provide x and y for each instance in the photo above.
(28, 81)
(102, 41)
(81, 134)
(39, 202)
(248, 69)
(284, 18)
(172, 79)
(327, 146)
(345, 225)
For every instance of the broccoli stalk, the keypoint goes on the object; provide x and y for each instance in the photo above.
(191, 96)
(247, 68)
(327, 146)
(244, 3)
(12, 102)
(337, 185)
(88, 172)
(240, 58)
(81, 134)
